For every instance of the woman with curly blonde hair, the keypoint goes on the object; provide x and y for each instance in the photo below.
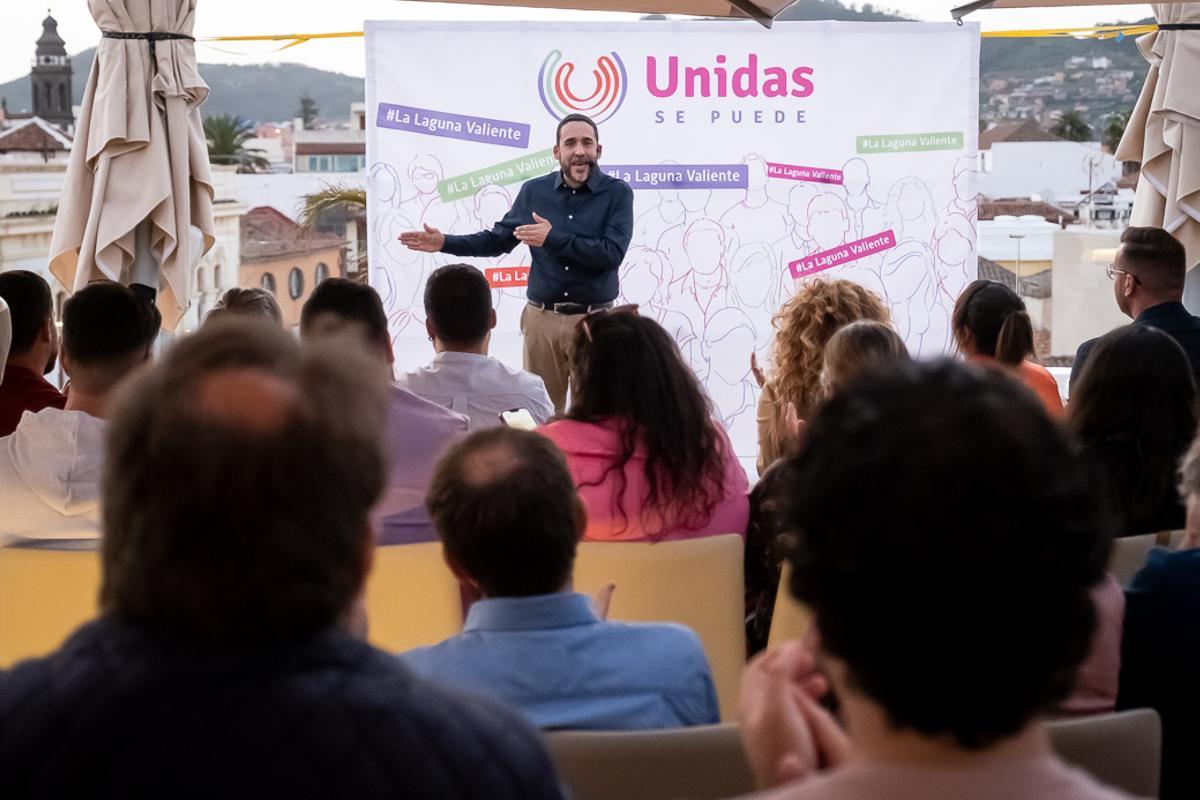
(803, 326)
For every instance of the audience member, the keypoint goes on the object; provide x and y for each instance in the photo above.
(509, 518)
(50, 466)
(5, 335)
(948, 706)
(254, 301)
(990, 325)
(860, 348)
(648, 458)
(1160, 653)
(459, 319)
(1134, 411)
(33, 348)
(418, 431)
(236, 544)
(803, 326)
(1148, 275)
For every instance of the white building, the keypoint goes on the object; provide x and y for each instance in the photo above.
(1056, 171)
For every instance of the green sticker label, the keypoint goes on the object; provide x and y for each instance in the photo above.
(518, 170)
(910, 142)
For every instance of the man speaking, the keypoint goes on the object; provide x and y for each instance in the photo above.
(577, 222)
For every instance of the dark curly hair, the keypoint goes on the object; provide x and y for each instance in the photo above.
(1134, 411)
(628, 367)
(947, 542)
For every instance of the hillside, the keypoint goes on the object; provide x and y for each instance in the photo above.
(1008, 71)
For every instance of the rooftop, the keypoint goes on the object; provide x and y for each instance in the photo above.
(268, 235)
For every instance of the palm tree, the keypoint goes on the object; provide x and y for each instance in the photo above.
(1073, 127)
(227, 136)
(1115, 130)
(341, 199)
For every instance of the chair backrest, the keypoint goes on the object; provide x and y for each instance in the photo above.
(791, 619)
(698, 763)
(1123, 749)
(412, 597)
(696, 582)
(1129, 552)
(44, 596)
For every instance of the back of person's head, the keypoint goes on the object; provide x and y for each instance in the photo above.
(804, 325)
(947, 542)
(1134, 408)
(458, 305)
(627, 367)
(505, 507)
(253, 301)
(859, 348)
(1156, 258)
(107, 332)
(30, 307)
(340, 307)
(237, 487)
(989, 319)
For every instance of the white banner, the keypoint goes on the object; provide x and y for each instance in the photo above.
(758, 158)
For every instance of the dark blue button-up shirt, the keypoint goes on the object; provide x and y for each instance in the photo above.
(590, 231)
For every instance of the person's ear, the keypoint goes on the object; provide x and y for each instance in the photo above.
(556, 155)
(599, 150)
(46, 333)
(579, 513)
(459, 571)
(429, 330)
(389, 351)
(492, 319)
(64, 361)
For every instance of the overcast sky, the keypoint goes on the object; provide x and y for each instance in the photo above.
(22, 25)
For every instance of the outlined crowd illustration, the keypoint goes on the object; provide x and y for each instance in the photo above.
(713, 266)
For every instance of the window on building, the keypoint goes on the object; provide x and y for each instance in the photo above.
(267, 281)
(64, 104)
(321, 273)
(295, 283)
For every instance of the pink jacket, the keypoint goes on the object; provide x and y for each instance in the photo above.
(591, 448)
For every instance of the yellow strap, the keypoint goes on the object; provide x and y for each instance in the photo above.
(1097, 32)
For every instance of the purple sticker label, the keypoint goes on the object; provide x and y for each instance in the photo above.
(452, 126)
(681, 176)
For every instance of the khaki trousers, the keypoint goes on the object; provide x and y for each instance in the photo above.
(548, 341)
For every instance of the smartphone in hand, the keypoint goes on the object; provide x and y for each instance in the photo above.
(518, 418)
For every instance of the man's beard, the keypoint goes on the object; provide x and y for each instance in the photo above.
(589, 162)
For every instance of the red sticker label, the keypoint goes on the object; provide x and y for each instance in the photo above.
(507, 277)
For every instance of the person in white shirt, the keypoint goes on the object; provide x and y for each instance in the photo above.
(51, 465)
(462, 376)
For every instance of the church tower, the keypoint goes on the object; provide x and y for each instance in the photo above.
(51, 78)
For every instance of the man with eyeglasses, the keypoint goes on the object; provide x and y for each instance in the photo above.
(1148, 275)
(577, 222)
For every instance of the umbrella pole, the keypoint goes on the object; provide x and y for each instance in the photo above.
(144, 271)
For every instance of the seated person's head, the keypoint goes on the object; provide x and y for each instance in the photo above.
(1133, 409)
(34, 343)
(990, 319)
(804, 325)
(506, 509)
(860, 348)
(107, 333)
(458, 309)
(239, 478)
(339, 308)
(254, 301)
(946, 543)
(626, 366)
(1150, 268)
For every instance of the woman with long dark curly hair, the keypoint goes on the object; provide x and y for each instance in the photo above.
(1134, 411)
(640, 438)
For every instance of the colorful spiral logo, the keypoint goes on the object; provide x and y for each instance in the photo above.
(608, 94)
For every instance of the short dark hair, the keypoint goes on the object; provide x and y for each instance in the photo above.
(458, 301)
(1157, 258)
(253, 300)
(30, 304)
(349, 301)
(107, 331)
(935, 570)
(506, 509)
(238, 485)
(1134, 411)
(996, 318)
(562, 123)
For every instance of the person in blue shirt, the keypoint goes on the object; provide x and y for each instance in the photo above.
(509, 518)
(577, 222)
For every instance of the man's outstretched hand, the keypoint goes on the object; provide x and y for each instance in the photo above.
(533, 235)
(429, 240)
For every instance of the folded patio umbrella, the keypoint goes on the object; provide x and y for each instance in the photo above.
(1164, 130)
(139, 165)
